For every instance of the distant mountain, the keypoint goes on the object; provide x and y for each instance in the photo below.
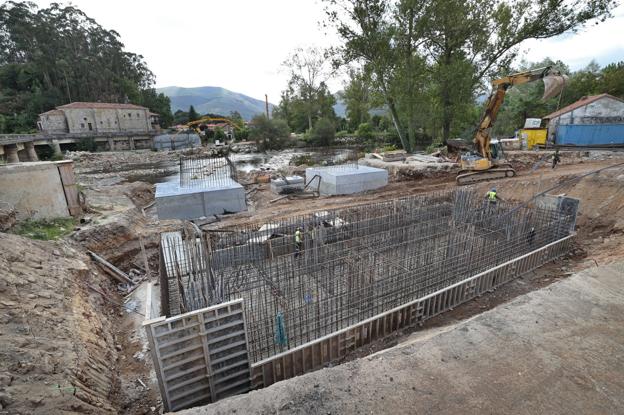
(213, 100)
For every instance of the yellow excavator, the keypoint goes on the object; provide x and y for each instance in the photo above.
(487, 161)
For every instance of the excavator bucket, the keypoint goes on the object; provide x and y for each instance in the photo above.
(553, 85)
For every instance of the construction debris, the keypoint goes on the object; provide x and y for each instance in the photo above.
(111, 270)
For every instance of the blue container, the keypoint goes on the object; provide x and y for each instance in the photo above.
(588, 135)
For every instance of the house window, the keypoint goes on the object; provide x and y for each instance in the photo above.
(90, 127)
(81, 125)
(85, 118)
(129, 115)
(138, 115)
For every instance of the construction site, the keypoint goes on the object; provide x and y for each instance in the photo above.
(216, 309)
(382, 249)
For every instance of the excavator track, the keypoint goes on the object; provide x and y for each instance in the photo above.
(483, 175)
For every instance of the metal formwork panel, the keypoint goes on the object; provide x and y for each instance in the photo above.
(201, 356)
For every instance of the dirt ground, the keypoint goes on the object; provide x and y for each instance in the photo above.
(64, 325)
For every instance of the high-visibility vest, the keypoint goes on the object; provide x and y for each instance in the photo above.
(298, 236)
(491, 196)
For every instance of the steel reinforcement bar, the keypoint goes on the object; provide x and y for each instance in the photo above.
(333, 347)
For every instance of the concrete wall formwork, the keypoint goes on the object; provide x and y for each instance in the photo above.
(201, 356)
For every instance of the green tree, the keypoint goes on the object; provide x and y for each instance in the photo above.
(309, 71)
(192, 114)
(357, 98)
(180, 117)
(219, 134)
(269, 134)
(158, 103)
(55, 55)
(612, 79)
(324, 132)
(365, 132)
(431, 57)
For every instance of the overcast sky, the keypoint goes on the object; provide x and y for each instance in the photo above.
(240, 44)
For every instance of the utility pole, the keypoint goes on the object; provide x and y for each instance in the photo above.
(266, 105)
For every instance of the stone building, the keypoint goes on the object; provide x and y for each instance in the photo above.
(97, 117)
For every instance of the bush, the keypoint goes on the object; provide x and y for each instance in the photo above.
(343, 134)
(301, 160)
(435, 145)
(365, 132)
(219, 134)
(268, 134)
(86, 144)
(323, 133)
(242, 134)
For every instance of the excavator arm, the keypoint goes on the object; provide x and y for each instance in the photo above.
(553, 81)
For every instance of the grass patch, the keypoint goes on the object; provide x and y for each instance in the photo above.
(45, 230)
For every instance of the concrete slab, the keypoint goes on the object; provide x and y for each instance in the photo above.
(175, 202)
(339, 180)
(553, 351)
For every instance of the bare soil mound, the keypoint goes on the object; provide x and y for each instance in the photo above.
(57, 347)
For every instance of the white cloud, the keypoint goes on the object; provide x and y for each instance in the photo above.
(240, 45)
(603, 43)
(235, 44)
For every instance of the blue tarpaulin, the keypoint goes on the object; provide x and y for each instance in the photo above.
(586, 135)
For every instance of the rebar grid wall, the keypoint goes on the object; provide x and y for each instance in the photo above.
(201, 171)
(355, 263)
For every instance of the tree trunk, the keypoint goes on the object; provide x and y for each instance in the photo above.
(394, 115)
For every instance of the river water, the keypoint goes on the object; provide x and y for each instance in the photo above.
(270, 161)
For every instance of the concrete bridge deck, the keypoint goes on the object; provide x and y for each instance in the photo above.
(559, 350)
(12, 144)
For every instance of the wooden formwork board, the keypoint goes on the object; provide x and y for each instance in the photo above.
(333, 347)
(70, 186)
(201, 356)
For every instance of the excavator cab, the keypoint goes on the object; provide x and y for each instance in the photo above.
(473, 161)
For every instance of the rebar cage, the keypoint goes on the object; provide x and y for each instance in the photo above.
(202, 171)
(352, 263)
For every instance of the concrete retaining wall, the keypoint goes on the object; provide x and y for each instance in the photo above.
(34, 189)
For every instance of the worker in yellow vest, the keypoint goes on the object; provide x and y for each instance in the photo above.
(492, 197)
(298, 242)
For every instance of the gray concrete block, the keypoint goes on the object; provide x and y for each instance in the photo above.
(347, 180)
(175, 202)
